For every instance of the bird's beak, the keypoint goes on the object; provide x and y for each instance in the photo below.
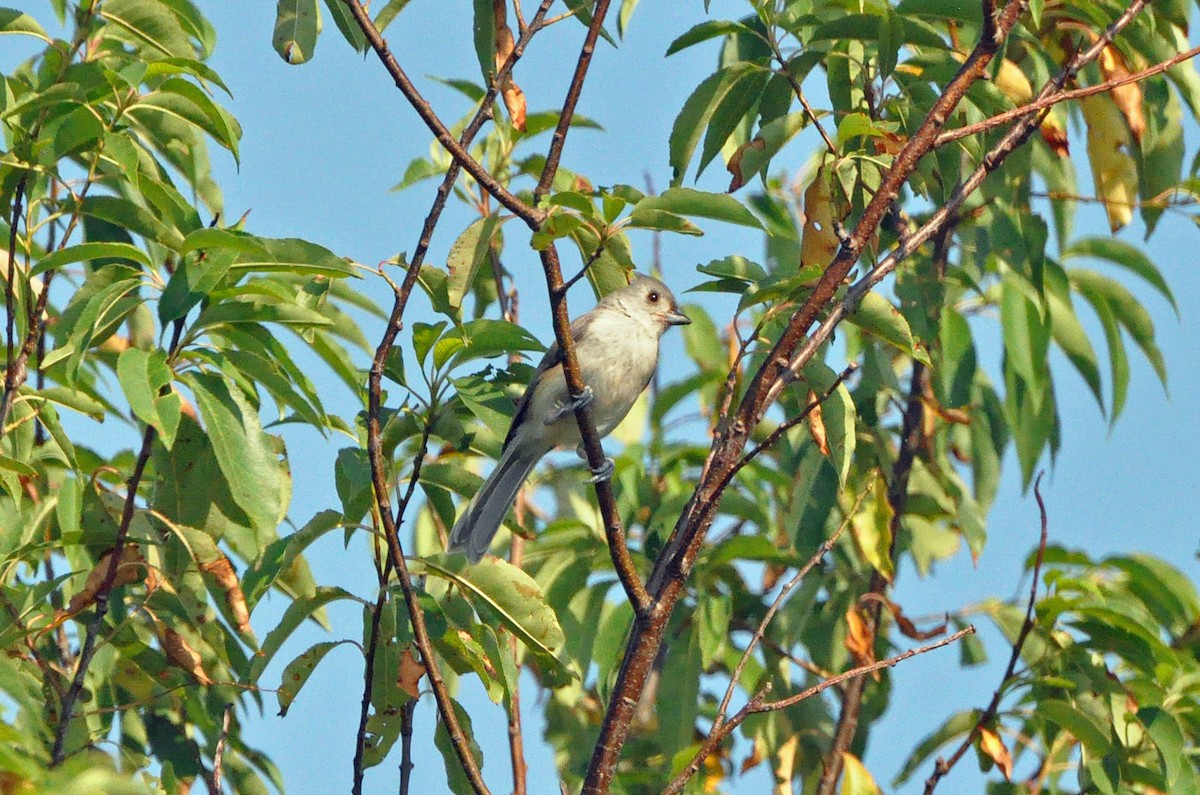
(675, 318)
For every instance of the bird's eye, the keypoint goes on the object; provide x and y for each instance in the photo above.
(652, 297)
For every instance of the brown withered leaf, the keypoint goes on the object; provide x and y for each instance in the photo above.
(755, 758)
(819, 242)
(734, 166)
(1054, 133)
(903, 622)
(1129, 96)
(131, 568)
(221, 569)
(816, 424)
(859, 640)
(514, 97)
(889, 143)
(991, 744)
(411, 671)
(181, 654)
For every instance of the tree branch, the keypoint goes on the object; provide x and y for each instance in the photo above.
(674, 563)
(943, 766)
(1000, 119)
(457, 150)
(382, 352)
(93, 630)
(758, 704)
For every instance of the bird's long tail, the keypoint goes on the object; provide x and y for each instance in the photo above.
(474, 530)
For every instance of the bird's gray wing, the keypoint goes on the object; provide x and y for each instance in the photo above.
(553, 358)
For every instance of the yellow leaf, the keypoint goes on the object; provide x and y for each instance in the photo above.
(816, 424)
(1013, 83)
(856, 779)
(1113, 169)
(1127, 97)
(872, 531)
(786, 768)
(818, 242)
(994, 747)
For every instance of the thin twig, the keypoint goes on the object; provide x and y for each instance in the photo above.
(530, 214)
(613, 529)
(1000, 119)
(758, 704)
(406, 735)
(943, 766)
(374, 431)
(102, 596)
(360, 744)
(671, 569)
(219, 753)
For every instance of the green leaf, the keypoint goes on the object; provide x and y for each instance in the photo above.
(957, 726)
(270, 254)
(85, 252)
(13, 21)
(191, 283)
(712, 621)
(142, 376)
(484, 30)
(187, 102)
(706, 31)
(891, 39)
(297, 24)
(1069, 333)
(296, 613)
(1077, 723)
(456, 779)
(700, 204)
(346, 25)
(1127, 311)
(258, 480)
(755, 156)
(739, 102)
(694, 118)
(877, 315)
(298, 671)
(388, 13)
(662, 221)
(282, 553)
(514, 598)
(486, 338)
(1126, 256)
(468, 253)
(21, 468)
(627, 9)
(149, 25)
(838, 414)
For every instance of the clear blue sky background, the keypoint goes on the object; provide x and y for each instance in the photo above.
(325, 141)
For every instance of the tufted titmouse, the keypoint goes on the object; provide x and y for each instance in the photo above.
(617, 347)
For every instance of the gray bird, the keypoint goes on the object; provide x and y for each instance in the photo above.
(617, 347)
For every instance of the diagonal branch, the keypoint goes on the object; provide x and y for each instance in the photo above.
(1000, 119)
(457, 150)
(102, 596)
(613, 529)
(758, 704)
(944, 766)
(375, 381)
(674, 563)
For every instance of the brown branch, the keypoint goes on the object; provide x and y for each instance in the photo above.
(457, 150)
(406, 735)
(613, 529)
(102, 595)
(219, 753)
(1042, 103)
(943, 766)
(375, 379)
(360, 744)
(758, 704)
(559, 138)
(516, 740)
(674, 563)
(912, 437)
(799, 92)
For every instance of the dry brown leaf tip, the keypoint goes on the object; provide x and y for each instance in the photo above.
(131, 568)
(221, 569)
(181, 654)
(991, 744)
(411, 671)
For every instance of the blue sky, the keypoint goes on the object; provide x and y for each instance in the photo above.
(325, 141)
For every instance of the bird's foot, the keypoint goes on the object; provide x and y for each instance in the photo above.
(584, 399)
(602, 472)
